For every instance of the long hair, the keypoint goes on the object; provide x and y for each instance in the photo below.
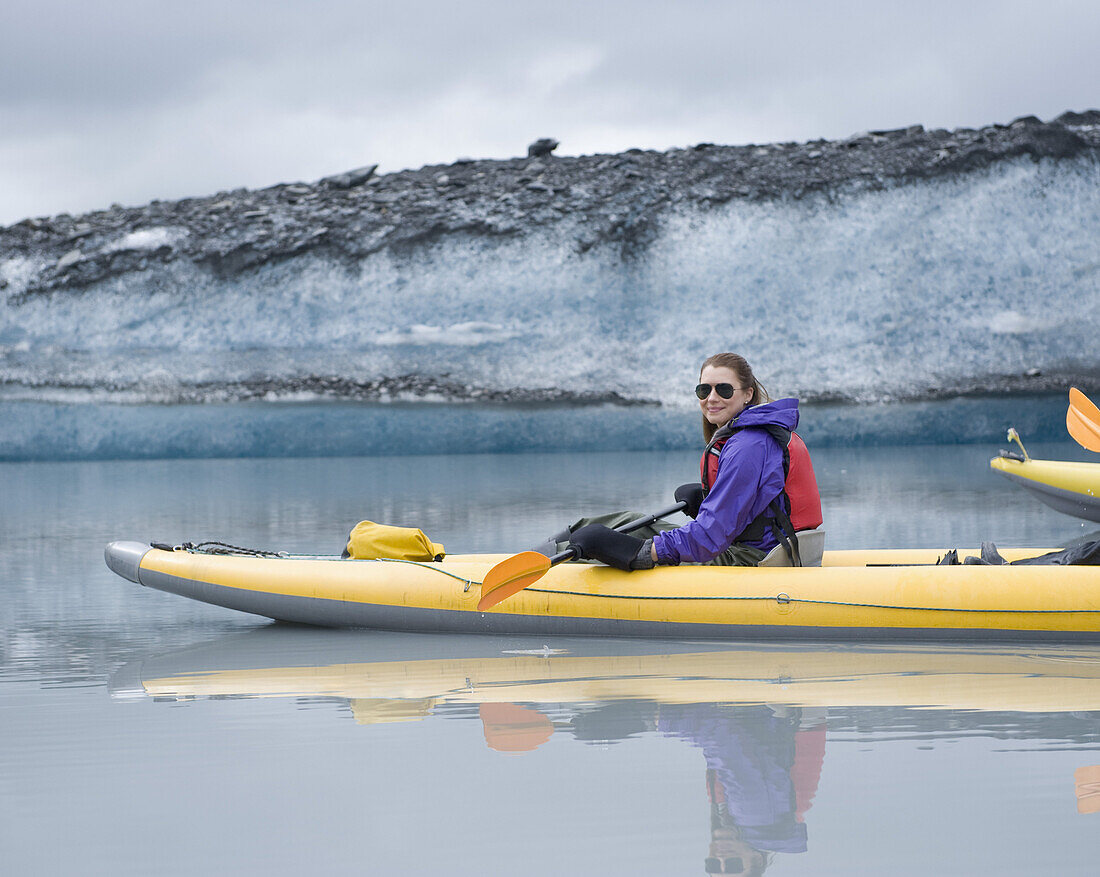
(740, 367)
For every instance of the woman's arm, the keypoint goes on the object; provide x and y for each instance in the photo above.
(750, 476)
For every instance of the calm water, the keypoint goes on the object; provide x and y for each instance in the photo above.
(145, 734)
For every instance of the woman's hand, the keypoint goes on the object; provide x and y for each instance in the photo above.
(597, 542)
(692, 497)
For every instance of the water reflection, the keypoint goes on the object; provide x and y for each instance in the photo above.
(763, 764)
(407, 676)
(759, 716)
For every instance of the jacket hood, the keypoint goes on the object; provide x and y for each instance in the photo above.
(781, 412)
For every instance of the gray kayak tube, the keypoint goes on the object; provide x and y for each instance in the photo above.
(1068, 502)
(124, 559)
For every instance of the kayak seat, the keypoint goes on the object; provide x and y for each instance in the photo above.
(811, 547)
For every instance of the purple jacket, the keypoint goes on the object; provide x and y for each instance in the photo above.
(750, 476)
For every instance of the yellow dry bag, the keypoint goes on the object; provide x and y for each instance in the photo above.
(370, 541)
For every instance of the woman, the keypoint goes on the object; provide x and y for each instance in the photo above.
(741, 507)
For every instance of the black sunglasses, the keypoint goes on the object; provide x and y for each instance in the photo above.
(732, 865)
(724, 390)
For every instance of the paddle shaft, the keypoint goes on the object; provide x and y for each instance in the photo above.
(628, 527)
(515, 573)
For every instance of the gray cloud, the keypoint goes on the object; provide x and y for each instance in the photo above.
(120, 100)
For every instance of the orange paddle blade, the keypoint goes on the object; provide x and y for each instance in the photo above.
(513, 728)
(510, 576)
(1088, 788)
(1084, 405)
(1083, 420)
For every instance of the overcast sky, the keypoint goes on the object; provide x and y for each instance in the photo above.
(106, 101)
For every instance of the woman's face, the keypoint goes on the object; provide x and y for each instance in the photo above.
(715, 409)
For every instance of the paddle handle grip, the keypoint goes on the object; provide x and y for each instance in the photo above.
(628, 527)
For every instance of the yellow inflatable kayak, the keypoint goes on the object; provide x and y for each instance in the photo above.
(1071, 488)
(853, 595)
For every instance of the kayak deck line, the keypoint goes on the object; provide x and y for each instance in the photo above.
(469, 583)
(784, 599)
(238, 551)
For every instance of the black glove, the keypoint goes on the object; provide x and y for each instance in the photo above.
(597, 542)
(692, 494)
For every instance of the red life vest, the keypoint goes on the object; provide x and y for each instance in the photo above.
(800, 487)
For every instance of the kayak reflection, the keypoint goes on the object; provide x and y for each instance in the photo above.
(757, 714)
(388, 676)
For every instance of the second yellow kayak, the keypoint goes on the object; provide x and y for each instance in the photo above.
(1070, 488)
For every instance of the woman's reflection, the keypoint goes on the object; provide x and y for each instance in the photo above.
(763, 765)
